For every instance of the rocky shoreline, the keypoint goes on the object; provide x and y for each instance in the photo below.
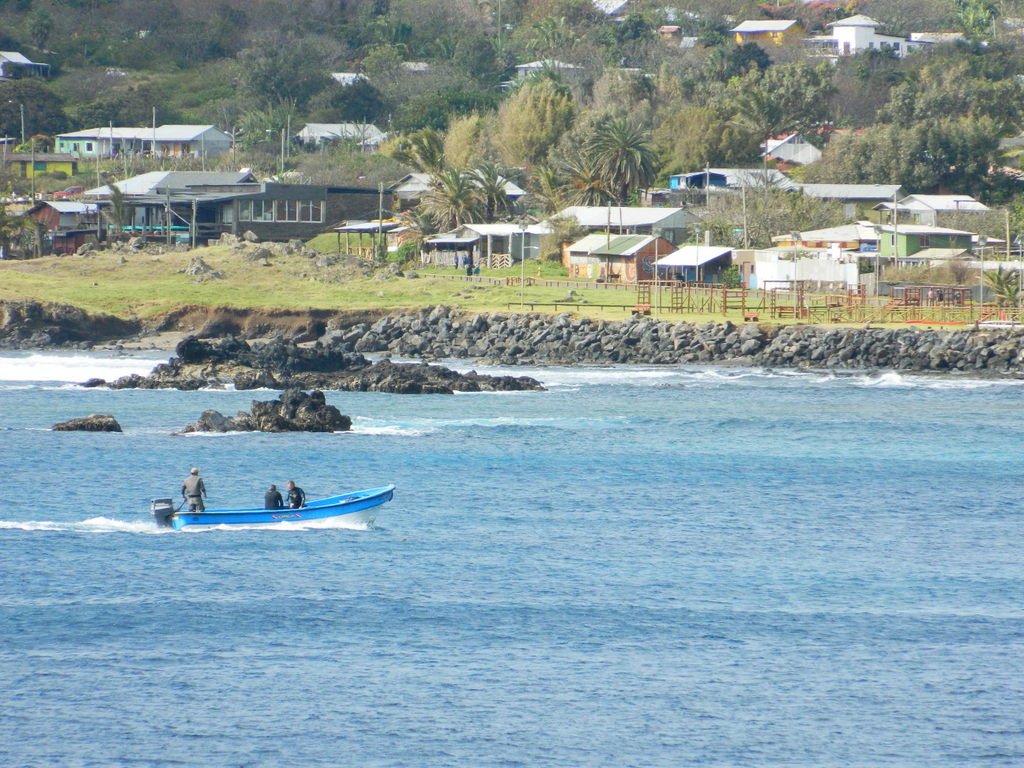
(288, 366)
(514, 339)
(522, 339)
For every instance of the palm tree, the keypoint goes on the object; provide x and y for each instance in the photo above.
(452, 200)
(549, 188)
(423, 150)
(622, 155)
(762, 114)
(1005, 287)
(490, 180)
(584, 182)
(117, 214)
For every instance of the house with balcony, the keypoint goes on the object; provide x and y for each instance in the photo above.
(856, 34)
(14, 65)
(165, 141)
(767, 32)
(200, 206)
(931, 209)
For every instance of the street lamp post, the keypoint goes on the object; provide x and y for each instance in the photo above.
(21, 109)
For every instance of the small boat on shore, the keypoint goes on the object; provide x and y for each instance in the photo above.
(359, 507)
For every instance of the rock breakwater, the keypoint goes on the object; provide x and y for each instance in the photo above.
(516, 339)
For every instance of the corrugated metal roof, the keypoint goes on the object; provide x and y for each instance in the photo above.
(71, 207)
(614, 245)
(693, 256)
(163, 133)
(617, 216)
(764, 25)
(851, 191)
(860, 20)
(147, 183)
(15, 58)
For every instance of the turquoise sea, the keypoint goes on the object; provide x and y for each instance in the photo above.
(639, 567)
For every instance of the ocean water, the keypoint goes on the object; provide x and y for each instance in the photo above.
(639, 567)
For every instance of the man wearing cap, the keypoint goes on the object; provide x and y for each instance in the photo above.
(193, 490)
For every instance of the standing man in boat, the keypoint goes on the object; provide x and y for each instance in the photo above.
(272, 498)
(296, 496)
(193, 490)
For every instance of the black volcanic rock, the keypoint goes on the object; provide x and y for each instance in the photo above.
(293, 411)
(96, 422)
(285, 365)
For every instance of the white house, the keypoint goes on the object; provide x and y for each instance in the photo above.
(794, 149)
(168, 140)
(565, 69)
(363, 135)
(489, 245)
(859, 33)
(927, 209)
(346, 79)
(14, 64)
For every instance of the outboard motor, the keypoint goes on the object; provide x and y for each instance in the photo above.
(163, 510)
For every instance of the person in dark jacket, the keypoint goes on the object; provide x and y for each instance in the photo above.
(272, 498)
(296, 496)
(193, 489)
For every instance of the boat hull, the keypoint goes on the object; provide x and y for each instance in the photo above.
(360, 507)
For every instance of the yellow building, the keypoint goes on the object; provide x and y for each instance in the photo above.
(28, 165)
(767, 31)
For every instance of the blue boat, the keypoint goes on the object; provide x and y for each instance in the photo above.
(359, 507)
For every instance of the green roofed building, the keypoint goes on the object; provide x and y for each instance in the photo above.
(622, 258)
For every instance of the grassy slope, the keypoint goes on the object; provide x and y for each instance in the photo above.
(149, 285)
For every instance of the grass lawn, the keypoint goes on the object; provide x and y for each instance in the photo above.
(147, 285)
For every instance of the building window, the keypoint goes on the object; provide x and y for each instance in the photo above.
(88, 146)
(287, 210)
(311, 211)
(924, 241)
(256, 210)
(39, 166)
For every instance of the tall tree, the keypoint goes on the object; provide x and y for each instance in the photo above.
(623, 156)
(423, 150)
(452, 200)
(532, 120)
(584, 182)
(490, 180)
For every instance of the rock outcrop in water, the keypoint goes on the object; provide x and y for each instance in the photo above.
(285, 365)
(293, 411)
(96, 422)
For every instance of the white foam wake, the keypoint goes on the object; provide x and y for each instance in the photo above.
(72, 367)
(92, 525)
(149, 527)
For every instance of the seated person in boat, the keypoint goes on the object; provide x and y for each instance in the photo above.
(272, 498)
(296, 496)
(193, 490)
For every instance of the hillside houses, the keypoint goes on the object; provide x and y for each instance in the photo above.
(205, 141)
